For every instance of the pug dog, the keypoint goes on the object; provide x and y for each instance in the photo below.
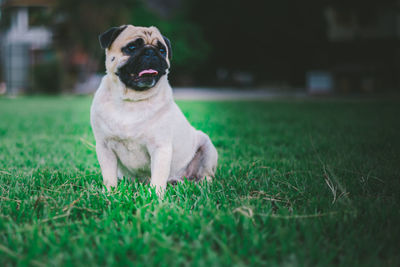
(134, 118)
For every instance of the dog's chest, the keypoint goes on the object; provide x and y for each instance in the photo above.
(131, 153)
(126, 136)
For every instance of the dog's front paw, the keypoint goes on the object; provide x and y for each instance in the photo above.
(159, 190)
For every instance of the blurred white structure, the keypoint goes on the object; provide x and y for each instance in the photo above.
(319, 82)
(18, 43)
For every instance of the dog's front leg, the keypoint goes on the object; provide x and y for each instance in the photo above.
(160, 168)
(108, 165)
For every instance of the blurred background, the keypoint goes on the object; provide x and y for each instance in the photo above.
(315, 46)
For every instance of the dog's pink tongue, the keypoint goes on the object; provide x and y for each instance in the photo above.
(149, 71)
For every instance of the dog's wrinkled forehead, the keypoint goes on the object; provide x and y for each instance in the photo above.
(150, 36)
(115, 38)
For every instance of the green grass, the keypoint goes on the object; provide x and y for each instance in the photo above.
(298, 183)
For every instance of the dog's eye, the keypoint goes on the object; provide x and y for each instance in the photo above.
(163, 52)
(131, 48)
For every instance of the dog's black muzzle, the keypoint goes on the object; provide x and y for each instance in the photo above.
(143, 69)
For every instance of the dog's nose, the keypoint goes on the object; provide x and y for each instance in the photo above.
(149, 52)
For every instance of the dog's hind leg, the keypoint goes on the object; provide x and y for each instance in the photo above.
(204, 163)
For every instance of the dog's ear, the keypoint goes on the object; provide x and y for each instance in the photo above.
(168, 43)
(108, 37)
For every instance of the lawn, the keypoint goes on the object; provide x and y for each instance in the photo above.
(299, 182)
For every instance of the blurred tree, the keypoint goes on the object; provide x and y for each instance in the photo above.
(78, 24)
(276, 40)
